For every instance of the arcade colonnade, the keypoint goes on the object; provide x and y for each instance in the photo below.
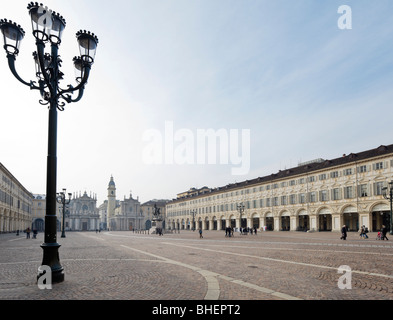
(318, 195)
(325, 219)
(15, 203)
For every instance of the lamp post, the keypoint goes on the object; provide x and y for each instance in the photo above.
(48, 27)
(390, 198)
(240, 208)
(61, 198)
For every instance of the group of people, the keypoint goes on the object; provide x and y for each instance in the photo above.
(229, 231)
(382, 234)
(363, 233)
(28, 231)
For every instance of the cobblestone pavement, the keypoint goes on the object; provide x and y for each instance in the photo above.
(267, 266)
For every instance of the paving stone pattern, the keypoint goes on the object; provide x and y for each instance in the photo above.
(180, 266)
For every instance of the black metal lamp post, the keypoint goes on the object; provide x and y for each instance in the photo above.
(48, 27)
(61, 198)
(390, 198)
(240, 208)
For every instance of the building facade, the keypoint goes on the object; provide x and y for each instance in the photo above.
(148, 212)
(39, 212)
(321, 195)
(125, 215)
(15, 203)
(103, 213)
(82, 213)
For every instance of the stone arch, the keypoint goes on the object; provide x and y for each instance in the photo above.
(350, 217)
(325, 218)
(268, 218)
(380, 215)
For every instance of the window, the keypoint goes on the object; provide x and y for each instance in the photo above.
(323, 195)
(347, 172)
(284, 200)
(334, 174)
(311, 179)
(301, 180)
(292, 199)
(293, 182)
(378, 165)
(313, 196)
(362, 169)
(336, 195)
(302, 198)
(348, 194)
(322, 176)
(275, 201)
(363, 190)
(268, 202)
(378, 188)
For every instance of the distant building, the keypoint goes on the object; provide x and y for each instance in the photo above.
(148, 210)
(319, 195)
(123, 215)
(15, 203)
(103, 213)
(82, 213)
(39, 212)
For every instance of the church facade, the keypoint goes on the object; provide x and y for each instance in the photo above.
(82, 213)
(125, 215)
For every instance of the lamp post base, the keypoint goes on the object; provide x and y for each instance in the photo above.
(51, 259)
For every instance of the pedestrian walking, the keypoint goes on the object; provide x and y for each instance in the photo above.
(28, 233)
(384, 230)
(200, 233)
(363, 232)
(344, 232)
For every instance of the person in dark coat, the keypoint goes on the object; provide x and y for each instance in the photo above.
(344, 232)
(384, 230)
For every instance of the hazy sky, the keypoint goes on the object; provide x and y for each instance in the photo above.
(282, 70)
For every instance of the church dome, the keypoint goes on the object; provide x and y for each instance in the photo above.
(111, 183)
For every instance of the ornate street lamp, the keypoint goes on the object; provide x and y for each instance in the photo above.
(61, 199)
(240, 208)
(48, 27)
(390, 198)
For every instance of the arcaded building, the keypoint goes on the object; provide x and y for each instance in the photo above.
(15, 203)
(320, 195)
